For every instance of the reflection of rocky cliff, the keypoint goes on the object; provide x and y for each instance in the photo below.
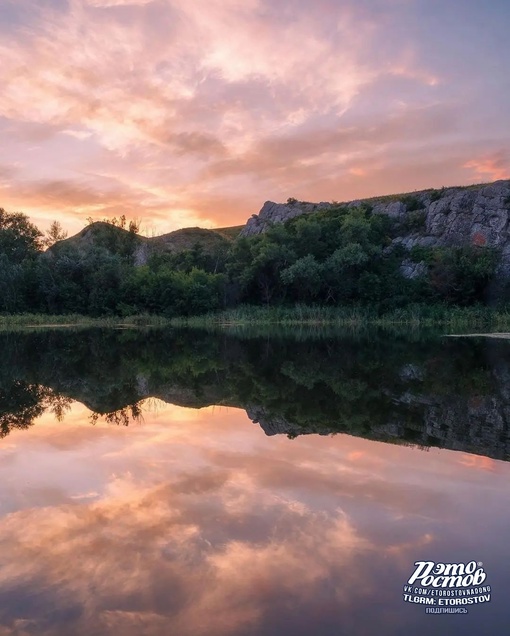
(452, 393)
(478, 424)
(273, 424)
(449, 426)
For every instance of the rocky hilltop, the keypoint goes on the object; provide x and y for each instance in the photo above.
(476, 215)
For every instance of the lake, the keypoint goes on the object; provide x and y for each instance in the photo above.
(187, 483)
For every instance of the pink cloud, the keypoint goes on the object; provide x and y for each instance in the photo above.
(195, 112)
(493, 167)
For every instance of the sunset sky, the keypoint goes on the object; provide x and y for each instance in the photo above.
(194, 112)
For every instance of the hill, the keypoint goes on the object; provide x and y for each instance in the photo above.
(119, 241)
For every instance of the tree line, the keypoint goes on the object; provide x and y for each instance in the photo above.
(334, 257)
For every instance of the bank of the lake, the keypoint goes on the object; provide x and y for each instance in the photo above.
(413, 316)
(416, 316)
(41, 321)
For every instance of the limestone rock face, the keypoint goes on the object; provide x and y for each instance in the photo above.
(410, 269)
(473, 215)
(272, 213)
(453, 216)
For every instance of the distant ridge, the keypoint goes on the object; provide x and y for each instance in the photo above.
(118, 240)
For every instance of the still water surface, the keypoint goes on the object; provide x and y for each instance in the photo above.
(191, 484)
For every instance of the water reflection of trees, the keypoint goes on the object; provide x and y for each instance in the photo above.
(120, 417)
(403, 388)
(22, 403)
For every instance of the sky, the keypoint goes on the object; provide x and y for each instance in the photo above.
(183, 113)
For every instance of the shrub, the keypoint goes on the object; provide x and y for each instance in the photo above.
(412, 203)
(414, 221)
(460, 275)
(420, 254)
(435, 195)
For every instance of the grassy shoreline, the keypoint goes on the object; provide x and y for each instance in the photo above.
(412, 316)
(421, 316)
(43, 321)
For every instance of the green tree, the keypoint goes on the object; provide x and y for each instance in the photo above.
(54, 234)
(459, 275)
(304, 277)
(19, 238)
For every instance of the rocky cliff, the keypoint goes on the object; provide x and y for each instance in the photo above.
(472, 215)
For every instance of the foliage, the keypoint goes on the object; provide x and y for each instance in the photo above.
(419, 254)
(54, 234)
(460, 275)
(170, 293)
(133, 226)
(19, 238)
(213, 260)
(435, 195)
(414, 221)
(412, 203)
(337, 257)
(317, 257)
(107, 236)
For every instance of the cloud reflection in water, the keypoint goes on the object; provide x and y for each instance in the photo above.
(194, 522)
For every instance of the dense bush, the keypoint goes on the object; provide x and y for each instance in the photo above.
(435, 195)
(412, 203)
(460, 275)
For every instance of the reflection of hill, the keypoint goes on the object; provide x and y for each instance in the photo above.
(448, 393)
